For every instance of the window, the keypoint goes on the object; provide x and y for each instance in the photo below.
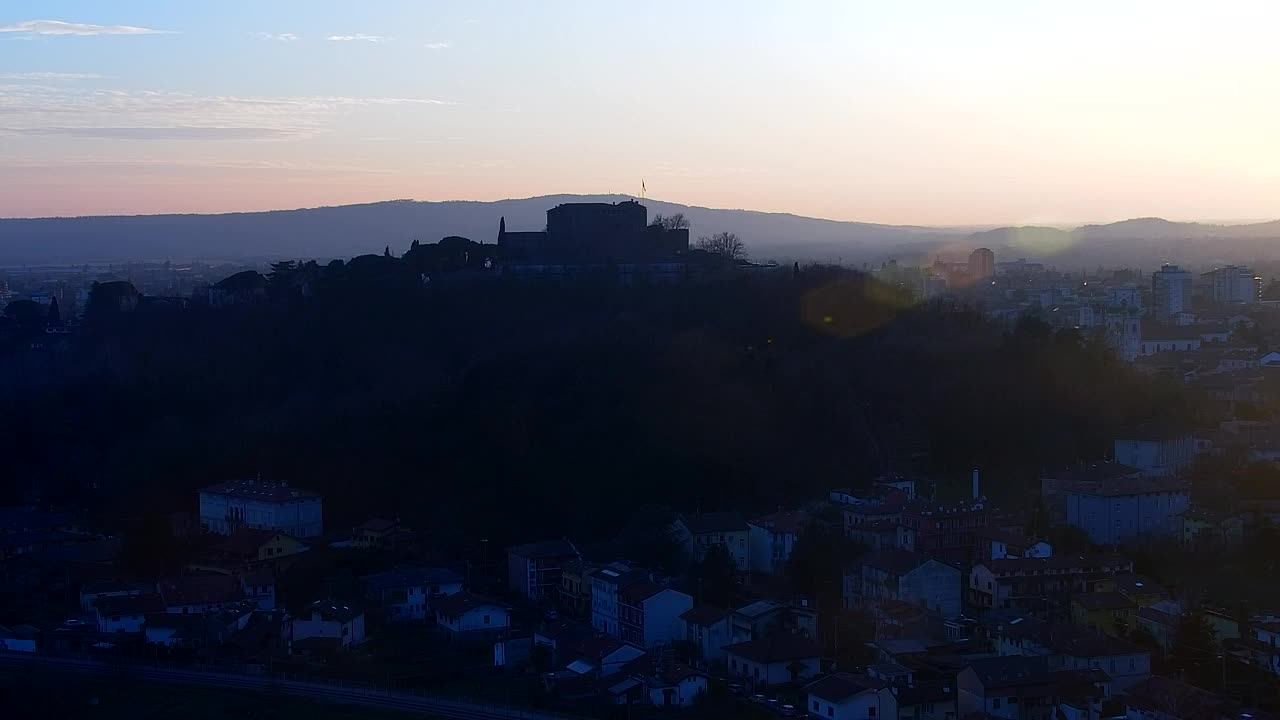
(486, 619)
(1131, 664)
(831, 710)
(756, 672)
(345, 630)
(1013, 701)
(995, 703)
(815, 704)
(871, 712)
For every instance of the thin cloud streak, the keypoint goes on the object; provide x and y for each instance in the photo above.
(359, 37)
(58, 27)
(438, 45)
(50, 76)
(282, 37)
(160, 133)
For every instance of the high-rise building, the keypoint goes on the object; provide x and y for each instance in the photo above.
(1234, 284)
(982, 264)
(1170, 291)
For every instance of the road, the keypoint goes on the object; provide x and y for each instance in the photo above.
(407, 702)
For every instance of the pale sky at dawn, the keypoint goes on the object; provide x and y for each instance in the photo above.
(896, 111)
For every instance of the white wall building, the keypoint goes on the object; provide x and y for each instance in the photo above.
(846, 696)
(261, 505)
(1156, 456)
(1234, 284)
(463, 616)
(407, 593)
(329, 620)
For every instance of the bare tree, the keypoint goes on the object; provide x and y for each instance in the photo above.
(725, 244)
(671, 222)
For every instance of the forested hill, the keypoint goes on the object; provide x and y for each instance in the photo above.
(335, 232)
(511, 412)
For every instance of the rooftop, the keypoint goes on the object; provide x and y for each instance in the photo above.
(253, 489)
(411, 577)
(779, 647)
(1102, 601)
(716, 522)
(199, 590)
(1060, 563)
(1121, 487)
(784, 521)
(838, 687)
(334, 610)
(895, 561)
(459, 603)
(1095, 472)
(117, 605)
(703, 614)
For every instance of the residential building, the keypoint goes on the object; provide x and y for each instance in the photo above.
(601, 655)
(14, 641)
(126, 613)
(707, 630)
(91, 593)
(1038, 583)
(882, 535)
(1025, 688)
(379, 532)
(575, 588)
(607, 584)
(982, 264)
(407, 594)
(999, 544)
(1071, 647)
(846, 696)
(767, 617)
(258, 586)
(466, 618)
(725, 529)
(198, 594)
(1201, 526)
(1234, 284)
(1110, 613)
(562, 638)
(778, 659)
(1054, 486)
(649, 614)
(927, 701)
(772, 538)
(324, 627)
(1123, 510)
(253, 545)
(674, 686)
(1170, 291)
(1162, 698)
(1263, 643)
(1124, 332)
(534, 569)
(1160, 623)
(1160, 338)
(911, 578)
(261, 505)
(946, 531)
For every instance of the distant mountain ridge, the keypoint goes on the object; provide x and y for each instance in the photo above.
(347, 230)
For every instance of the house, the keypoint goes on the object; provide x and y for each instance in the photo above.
(1119, 511)
(846, 696)
(1156, 455)
(407, 594)
(13, 641)
(779, 659)
(927, 701)
(674, 686)
(376, 533)
(1263, 643)
(912, 578)
(534, 569)
(1107, 612)
(1158, 338)
(726, 529)
(1162, 698)
(999, 544)
(1142, 591)
(601, 656)
(606, 586)
(857, 515)
(326, 626)
(466, 618)
(882, 535)
(1071, 647)
(649, 614)
(91, 593)
(126, 613)
(1030, 583)
(253, 545)
(1161, 623)
(707, 630)
(200, 593)
(261, 505)
(179, 631)
(575, 587)
(771, 538)
(1201, 526)
(1054, 485)
(947, 531)
(766, 617)
(1025, 688)
(259, 587)
(563, 637)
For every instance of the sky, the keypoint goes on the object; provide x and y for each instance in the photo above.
(906, 112)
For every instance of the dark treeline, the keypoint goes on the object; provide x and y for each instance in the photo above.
(517, 411)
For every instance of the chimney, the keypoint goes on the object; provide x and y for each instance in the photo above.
(976, 494)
